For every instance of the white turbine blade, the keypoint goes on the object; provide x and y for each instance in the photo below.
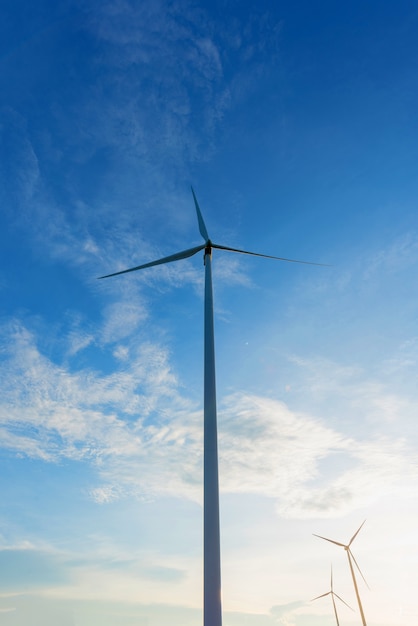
(266, 256)
(357, 565)
(167, 259)
(202, 227)
(337, 543)
(321, 596)
(331, 580)
(341, 600)
(356, 533)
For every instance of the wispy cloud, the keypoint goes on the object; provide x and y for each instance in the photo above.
(19, 173)
(267, 448)
(377, 400)
(399, 255)
(137, 51)
(145, 437)
(282, 614)
(168, 52)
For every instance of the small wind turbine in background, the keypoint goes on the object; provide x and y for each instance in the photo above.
(351, 559)
(333, 594)
(212, 609)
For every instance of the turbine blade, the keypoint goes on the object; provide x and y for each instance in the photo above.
(357, 565)
(337, 543)
(356, 533)
(202, 227)
(331, 579)
(167, 259)
(266, 256)
(321, 596)
(341, 600)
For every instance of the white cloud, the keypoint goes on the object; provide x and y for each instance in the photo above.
(78, 341)
(269, 449)
(105, 494)
(121, 320)
(145, 438)
(347, 393)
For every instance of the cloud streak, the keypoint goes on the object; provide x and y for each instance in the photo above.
(145, 438)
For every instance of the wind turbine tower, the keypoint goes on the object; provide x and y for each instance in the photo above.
(333, 594)
(351, 560)
(212, 608)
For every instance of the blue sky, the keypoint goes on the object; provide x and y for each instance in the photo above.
(296, 125)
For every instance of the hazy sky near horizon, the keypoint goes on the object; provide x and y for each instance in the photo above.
(296, 123)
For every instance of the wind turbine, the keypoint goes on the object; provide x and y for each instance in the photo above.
(332, 594)
(351, 559)
(212, 610)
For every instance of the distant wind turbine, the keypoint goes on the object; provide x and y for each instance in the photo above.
(212, 610)
(332, 594)
(351, 559)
